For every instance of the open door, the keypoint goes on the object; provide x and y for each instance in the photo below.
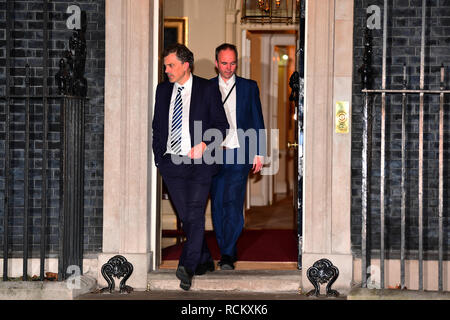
(297, 86)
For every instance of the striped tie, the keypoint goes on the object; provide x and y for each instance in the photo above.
(175, 132)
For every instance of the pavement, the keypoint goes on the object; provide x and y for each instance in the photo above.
(257, 294)
(205, 300)
(179, 304)
(276, 285)
(218, 285)
(356, 294)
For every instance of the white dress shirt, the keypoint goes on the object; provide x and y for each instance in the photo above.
(231, 141)
(185, 134)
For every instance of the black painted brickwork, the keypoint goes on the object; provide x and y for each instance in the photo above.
(28, 48)
(404, 38)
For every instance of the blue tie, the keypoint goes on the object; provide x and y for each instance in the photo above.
(175, 131)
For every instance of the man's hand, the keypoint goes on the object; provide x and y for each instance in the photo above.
(197, 151)
(257, 164)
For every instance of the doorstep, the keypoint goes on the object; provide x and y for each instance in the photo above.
(235, 280)
(243, 265)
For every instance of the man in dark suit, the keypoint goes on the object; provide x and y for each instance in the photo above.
(182, 103)
(244, 148)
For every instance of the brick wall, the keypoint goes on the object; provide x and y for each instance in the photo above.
(28, 48)
(404, 39)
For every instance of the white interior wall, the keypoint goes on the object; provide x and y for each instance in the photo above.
(206, 29)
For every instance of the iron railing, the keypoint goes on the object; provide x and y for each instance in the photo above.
(366, 74)
(71, 151)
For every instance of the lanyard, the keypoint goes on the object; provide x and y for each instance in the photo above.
(229, 94)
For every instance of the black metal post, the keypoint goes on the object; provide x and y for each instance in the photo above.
(366, 73)
(43, 243)
(421, 142)
(403, 186)
(26, 173)
(383, 147)
(7, 138)
(73, 86)
(71, 226)
(441, 183)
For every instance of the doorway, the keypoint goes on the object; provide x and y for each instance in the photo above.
(269, 210)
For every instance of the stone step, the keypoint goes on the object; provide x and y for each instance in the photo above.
(236, 280)
(243, 265)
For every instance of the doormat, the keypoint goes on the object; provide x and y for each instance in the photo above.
(253, 245)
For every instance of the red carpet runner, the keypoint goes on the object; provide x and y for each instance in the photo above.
(253, 245)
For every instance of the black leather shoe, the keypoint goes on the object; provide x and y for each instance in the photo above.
(204, 267)
(226, 263)
(185, 276)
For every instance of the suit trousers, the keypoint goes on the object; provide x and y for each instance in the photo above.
(227, 202)
(189, 194)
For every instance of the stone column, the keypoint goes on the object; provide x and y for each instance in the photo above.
(231, 12)
(327, 195)
(127, 162)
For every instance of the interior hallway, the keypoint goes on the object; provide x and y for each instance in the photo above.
(278, 216)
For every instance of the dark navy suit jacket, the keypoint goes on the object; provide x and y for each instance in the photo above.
(248, 116)
(206, 106)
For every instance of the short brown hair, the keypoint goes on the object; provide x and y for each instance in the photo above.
(225, 46)
(182, 53)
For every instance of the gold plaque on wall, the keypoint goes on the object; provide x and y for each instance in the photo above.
(342, 117)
